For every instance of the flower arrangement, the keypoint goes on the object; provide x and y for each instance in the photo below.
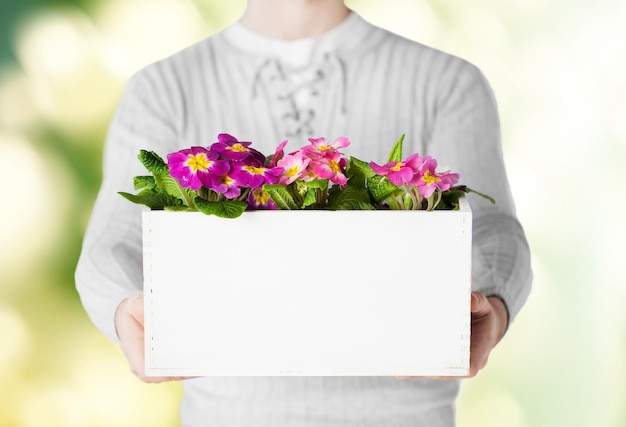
(230, 177)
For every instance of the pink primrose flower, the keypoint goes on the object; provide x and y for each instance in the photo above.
(260, 199)
(415, 162)
(294, 165)
(427, 180)
(196, 167)
(230, 148)
(254, 176)
(228, 186)
(321, 145)
(278, 154)
(331, 167)
(448, 180)
(397, 172)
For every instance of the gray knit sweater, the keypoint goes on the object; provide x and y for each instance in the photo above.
(358, 81)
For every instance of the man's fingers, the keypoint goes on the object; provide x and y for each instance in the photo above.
(402, 378)
(136, 307)
(157, 380)
(480, 303)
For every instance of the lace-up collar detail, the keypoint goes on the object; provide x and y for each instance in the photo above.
(298, 87)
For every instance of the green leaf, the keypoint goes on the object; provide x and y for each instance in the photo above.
(396, 151)
(181, 208)
(408, 202)
(152, 199)
(350, 198)
(141, 182)
(484, 196)
(223, 209)
(171, 186)
(280, 196)
(358, 171)
(450, 199)
(380, 188)
(355, 166)
(309, 198)
(321, 184)
(154, 163)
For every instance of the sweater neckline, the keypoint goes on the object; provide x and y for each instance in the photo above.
(348, 35)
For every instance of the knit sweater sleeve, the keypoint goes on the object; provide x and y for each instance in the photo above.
(110, 264)
(466, 137)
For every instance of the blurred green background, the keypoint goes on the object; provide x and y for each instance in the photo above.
(557, 69)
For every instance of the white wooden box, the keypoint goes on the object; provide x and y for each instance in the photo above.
(308, 293)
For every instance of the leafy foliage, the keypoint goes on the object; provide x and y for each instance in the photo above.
(222, 209)
(153, 199)
(357, 185)
(281, 196)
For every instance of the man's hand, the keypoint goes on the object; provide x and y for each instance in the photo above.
(129, 326)
(489, 321)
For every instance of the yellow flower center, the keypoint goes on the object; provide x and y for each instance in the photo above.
(397, 166)
(198, 162)
(334, 166)
(292, 171)
(253, 170)
(239, 148)
(261, 197)
(226, 180)
(430, 179)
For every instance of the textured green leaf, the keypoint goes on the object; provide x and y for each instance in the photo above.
(144, 182)
(357, 172)
(380, 188)
(152, 199)
(154, 163)
(350, 198)
(396, 151)
(309, 198)
(171, 186)
(281, 197)
(223, 209)
(181, 208)
(321, 184)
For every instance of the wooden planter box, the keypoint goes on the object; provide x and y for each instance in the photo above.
(308, 293)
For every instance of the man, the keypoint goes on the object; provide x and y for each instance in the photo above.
(293, 69)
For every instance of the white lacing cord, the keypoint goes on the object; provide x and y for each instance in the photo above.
(295, 95)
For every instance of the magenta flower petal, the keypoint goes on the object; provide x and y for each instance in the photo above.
(226, 138)
(259, 199)
(228, 186)
(192, 166)
(238, 151)
(278, 154)
(254, 176)
(272, 175)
